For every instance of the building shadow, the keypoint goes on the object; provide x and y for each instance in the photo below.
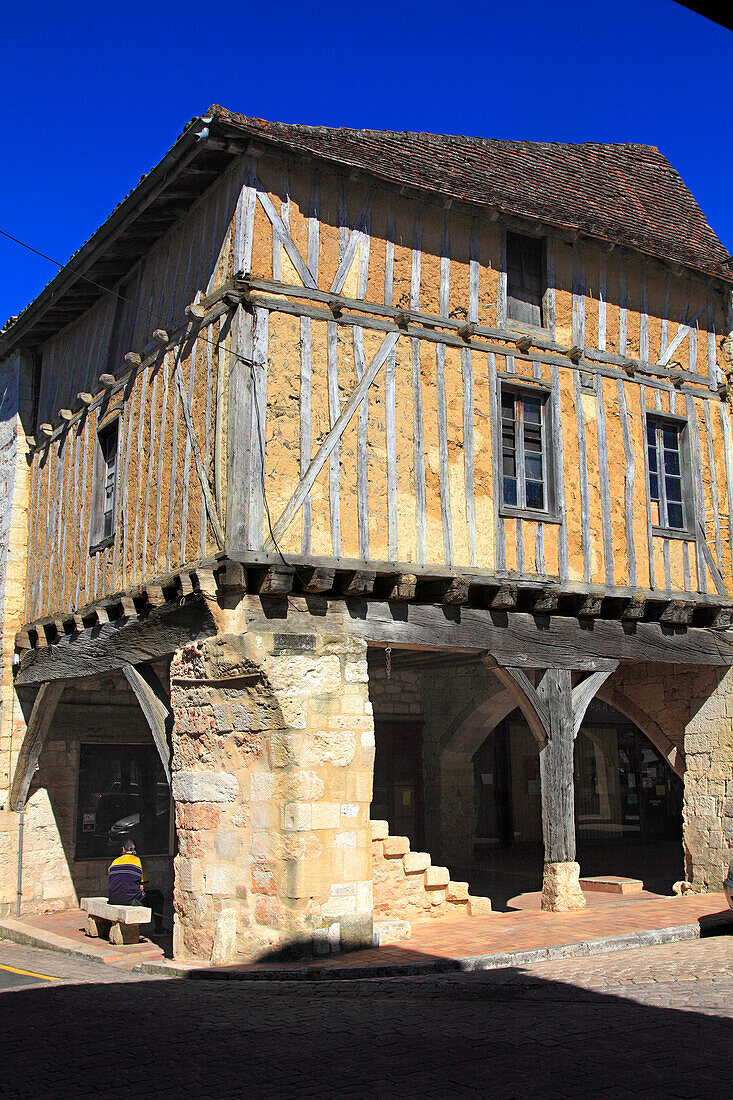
(499, 1033)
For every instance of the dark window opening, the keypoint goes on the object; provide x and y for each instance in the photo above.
(105, 486)
(123, 795)
(525, 271)
(524, 460)
(666, 487)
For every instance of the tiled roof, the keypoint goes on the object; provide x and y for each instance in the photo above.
(622, 193)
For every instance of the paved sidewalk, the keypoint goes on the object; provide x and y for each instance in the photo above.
(503, 939)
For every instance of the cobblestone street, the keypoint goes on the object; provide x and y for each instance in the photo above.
(647, 1022)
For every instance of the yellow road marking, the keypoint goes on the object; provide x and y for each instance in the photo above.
(29, 973)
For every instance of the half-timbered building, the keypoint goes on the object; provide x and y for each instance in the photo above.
(365, 492)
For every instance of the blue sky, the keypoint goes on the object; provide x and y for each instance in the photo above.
(94, 94)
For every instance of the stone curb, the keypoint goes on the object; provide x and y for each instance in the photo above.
(645, 938)
(650, 937)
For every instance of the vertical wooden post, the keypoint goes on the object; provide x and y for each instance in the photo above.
(556, 767)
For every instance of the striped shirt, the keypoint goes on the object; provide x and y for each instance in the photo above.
(126, 878)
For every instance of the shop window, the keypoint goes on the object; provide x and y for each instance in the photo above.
(104, 492)
(525, 279)
(123, 795)
(669, 489)
(525, 436)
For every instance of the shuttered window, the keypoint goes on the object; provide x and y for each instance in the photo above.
(524, 451)
(525, 278)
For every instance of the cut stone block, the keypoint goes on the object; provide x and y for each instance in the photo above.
(415, 862)
(457, 891)
(396, 846)
(390, 931)
(380, 830)
(612, 884)
(437, 878)
(125, 914)
(479, 907)
(561, 891)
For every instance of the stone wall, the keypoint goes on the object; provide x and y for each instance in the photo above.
(273, 751)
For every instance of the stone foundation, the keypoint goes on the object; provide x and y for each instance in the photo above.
(561, 891)
(273, 754)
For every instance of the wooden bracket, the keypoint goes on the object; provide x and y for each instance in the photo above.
(401, 586)
(360, 582)
(316, 579)
(505, 599)
(590, 608)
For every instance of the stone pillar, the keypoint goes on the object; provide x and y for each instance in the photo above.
(560, 886)
(273, 754)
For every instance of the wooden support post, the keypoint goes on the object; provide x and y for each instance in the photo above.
(554, 710)
(34, 740)
(556, 767)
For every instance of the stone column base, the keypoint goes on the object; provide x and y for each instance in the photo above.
(561, 891)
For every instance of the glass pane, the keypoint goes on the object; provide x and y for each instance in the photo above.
(674, 515)
(535, 494)
(533, 466)
(652, 457)
(509, 469)
(671, 462)
(673, 489)
(651, 433)
(510, 490)
(532, 439)
(671, 437)
(653, 487)
(532, 411)
(507, 406)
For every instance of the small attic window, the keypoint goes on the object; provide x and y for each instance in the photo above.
(104, 492)
(525, 271)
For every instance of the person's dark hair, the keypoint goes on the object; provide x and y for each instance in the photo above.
(128, 847)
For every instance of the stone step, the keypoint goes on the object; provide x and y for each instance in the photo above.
(391, 931)
(612, 884)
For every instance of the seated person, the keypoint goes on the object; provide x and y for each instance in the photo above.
(127, 881)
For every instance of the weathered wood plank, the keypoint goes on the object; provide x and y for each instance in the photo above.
(700, 532)
(549, 303)
(644, 318)
(36, 732)
(628, 483)
(728, 454)
(258, 437)
(501, 283)
(664, 335)
(156, 708)
(355, 241)
(445, 504)
(334, 412)
(585, 532)
(602, 301)
(562, 542)
(622, 304)
(138, 493)
(473, 272)
(161, 445)
(174, 458)
(362, 457)
(207, 435)
(578, 296)
(649, 538)
(683, 330)
(324, 451)
(419, 455)
(557, 791)
(605, 482)
(495, 415)
(305, 425)
(713, 483)
(468, 451)
(149, 480)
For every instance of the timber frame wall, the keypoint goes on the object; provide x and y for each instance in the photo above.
(323, 384)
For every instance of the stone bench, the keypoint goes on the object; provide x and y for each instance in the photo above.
(120, 923)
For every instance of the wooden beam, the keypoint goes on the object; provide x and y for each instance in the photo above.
(44, 706)
(316, 580)
(117, 644)
(358, 583)
(156, 707)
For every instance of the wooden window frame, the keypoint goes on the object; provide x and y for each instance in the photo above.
(660, 419)
(507, 384)
(546, 326)
(97, 538)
